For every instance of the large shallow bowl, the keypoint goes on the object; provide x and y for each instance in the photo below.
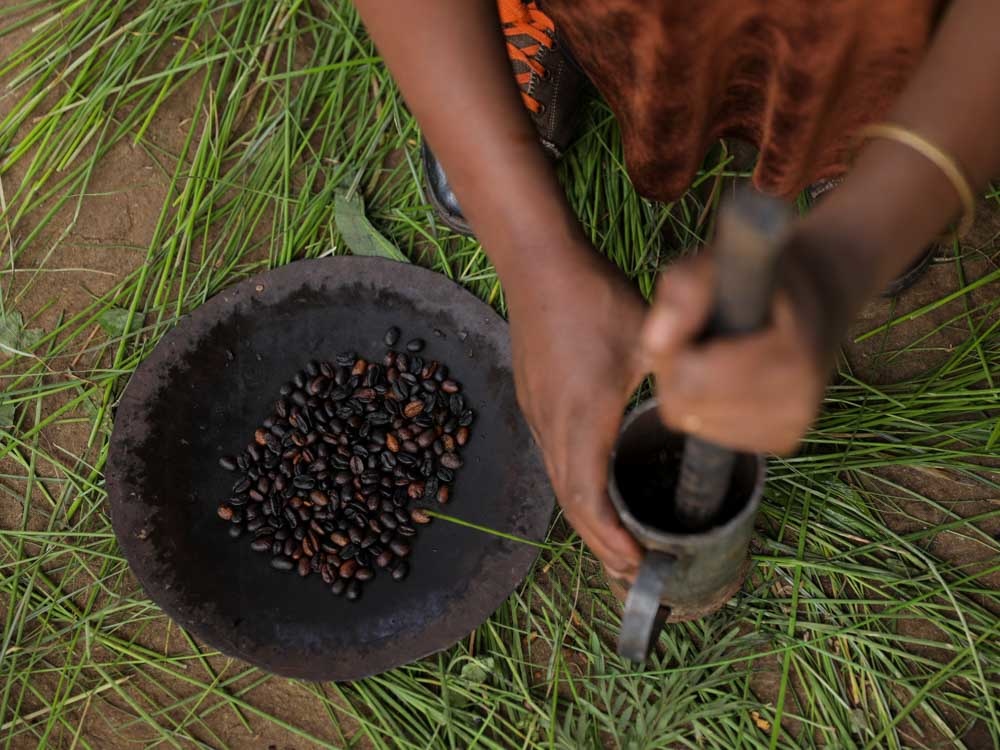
(211, 380)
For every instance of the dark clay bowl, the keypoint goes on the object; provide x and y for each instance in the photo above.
(212, 379)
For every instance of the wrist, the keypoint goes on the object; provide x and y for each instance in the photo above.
(829, 270)
(538, 267)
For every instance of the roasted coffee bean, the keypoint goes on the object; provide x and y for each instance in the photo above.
(462, 435)
(354, 591)
(384, 558)
(412, 409)
(406, 530)
(401, 570)
(450, 386)
(225, 512)
(443, 494)
(228, 463)
(414, 345)
(304, 566)
(364, 574)
(418, 515)
(261, 544)
(426, 438)
(326, 573)
(348, 568)
(391, 336)
(446, 475)
(427, 466)
(289, 546)
(399, 548)
(241, 486)
(388, 520)
(410, 446)
(235, 532)
(338, 586)
(451, 461)
(304, 482)
(339, 539)
(281, 563)
(346, 359)
(319, 498)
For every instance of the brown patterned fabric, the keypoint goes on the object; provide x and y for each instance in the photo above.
(796, 78)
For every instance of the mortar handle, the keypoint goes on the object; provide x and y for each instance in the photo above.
(642, 606)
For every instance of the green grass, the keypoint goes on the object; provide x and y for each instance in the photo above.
(283, 101)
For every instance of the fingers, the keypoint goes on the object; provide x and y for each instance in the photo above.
(684, 296)
(585, 499)
(755, 393)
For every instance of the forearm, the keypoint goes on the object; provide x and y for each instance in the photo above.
(449, 60)
(895, 201)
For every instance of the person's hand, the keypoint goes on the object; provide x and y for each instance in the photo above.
(575, 335)
(759, 392)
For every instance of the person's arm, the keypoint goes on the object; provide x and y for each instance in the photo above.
(448, 58)
(574, 320)
(761, 392)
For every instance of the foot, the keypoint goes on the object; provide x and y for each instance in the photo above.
(552, 88)
(905, 280)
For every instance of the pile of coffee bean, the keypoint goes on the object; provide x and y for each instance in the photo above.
(338, 476)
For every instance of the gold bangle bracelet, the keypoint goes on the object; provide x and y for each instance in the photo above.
(947, 164)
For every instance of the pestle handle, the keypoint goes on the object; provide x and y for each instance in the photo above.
(751, 232)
